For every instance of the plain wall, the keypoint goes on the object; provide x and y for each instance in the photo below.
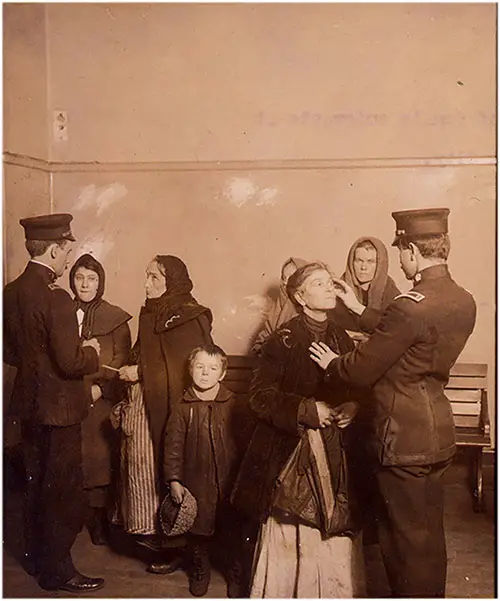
(238, 135)
(218, 82)
(25, 80)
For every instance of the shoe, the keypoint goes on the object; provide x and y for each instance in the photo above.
(149, 541)
(165, 567)
(199, 576)
(82, 584)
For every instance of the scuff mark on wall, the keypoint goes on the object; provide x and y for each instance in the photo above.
(100, 198)
(242, 190)
(98, 244)
(267, 196)
(97, 200)
(258, 303)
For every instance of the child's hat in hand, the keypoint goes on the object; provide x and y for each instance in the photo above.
(178, 519)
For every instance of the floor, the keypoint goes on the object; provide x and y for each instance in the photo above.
(471, 540)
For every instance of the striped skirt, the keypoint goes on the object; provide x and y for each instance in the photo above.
(139, 496)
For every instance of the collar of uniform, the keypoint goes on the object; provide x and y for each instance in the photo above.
(434, 272)
(44, 270)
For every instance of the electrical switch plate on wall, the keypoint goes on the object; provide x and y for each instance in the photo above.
(60, 126)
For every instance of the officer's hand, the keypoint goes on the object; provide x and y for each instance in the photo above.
(96, 392)
(345, 413)
(94, 343)
(322, 354)
(129, 373)
(347, 296)
(176, 492)
(325, 414)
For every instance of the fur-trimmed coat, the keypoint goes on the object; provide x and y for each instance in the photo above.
(284, 379)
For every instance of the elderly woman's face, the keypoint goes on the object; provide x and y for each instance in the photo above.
(155, 284)
(317, 292)
(86, 284)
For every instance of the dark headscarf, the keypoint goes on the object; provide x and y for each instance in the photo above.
(89, 309)
(378, 284)
(179, 286)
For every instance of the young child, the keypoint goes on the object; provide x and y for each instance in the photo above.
(201, 455)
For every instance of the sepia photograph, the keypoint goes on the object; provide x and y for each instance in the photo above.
(249, 299)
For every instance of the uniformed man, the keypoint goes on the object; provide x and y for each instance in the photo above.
(407, 361)
(41, 340)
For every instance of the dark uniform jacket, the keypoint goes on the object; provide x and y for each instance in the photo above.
(41, 340)
(407, 361)
(201, 451)
(285, 382)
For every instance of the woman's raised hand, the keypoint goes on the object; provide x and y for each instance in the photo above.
(322, 354)
(176, 492)
(129, 373)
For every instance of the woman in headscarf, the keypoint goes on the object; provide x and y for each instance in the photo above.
(282, 309)
(293, 478)
(171, 324)
(108, 323)
(370, 288)
(366, 293)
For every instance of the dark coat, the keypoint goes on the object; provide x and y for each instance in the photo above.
(41, 340)
(285, 377)
(407, 361)
(201, 452)
(162, 349)
(111, 329)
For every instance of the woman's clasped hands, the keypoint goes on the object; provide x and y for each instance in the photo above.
(342, 414)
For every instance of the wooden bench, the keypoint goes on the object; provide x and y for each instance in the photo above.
(467, 391)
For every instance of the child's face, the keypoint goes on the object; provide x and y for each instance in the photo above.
(206, 370)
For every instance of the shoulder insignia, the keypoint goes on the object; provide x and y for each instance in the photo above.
(54, 287)
(413, 295)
